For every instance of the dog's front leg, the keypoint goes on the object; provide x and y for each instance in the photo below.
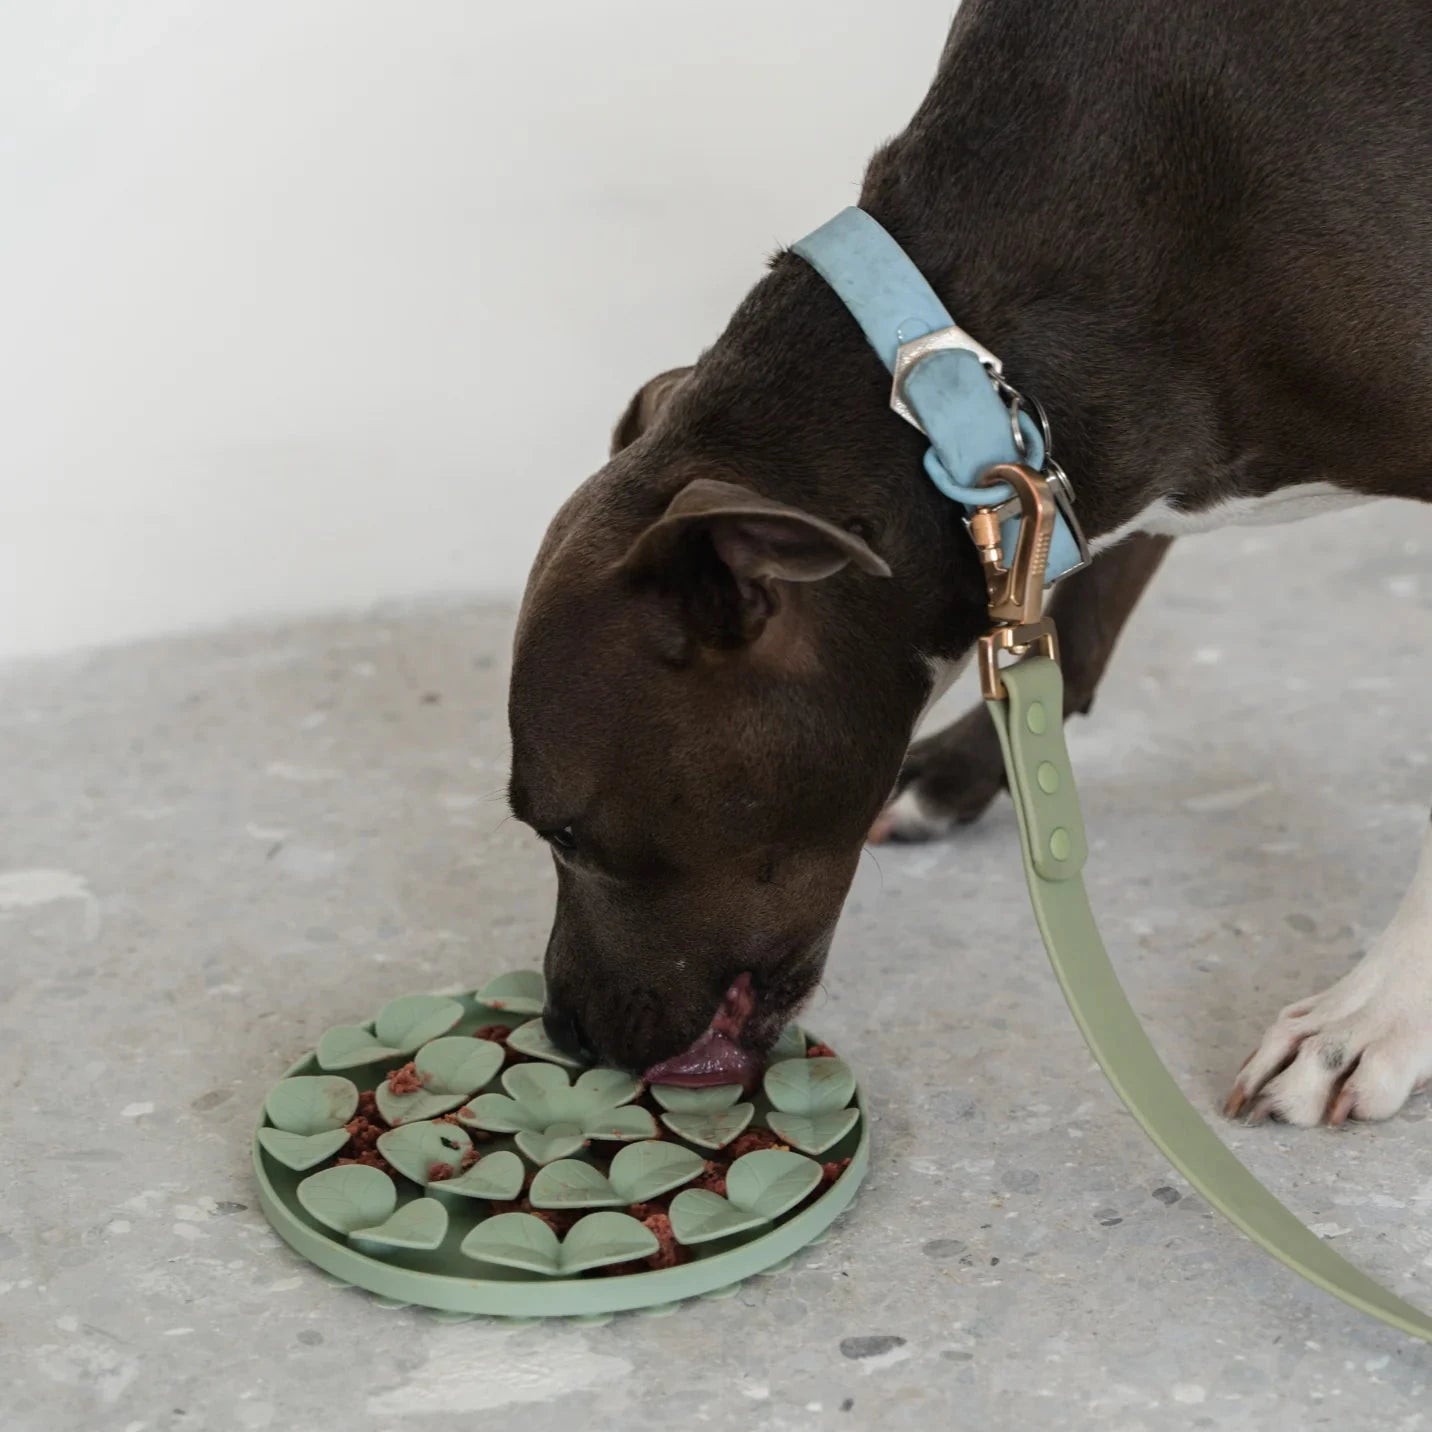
(1357, 1050)
(949, 778)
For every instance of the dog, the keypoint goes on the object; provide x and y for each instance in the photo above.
(1200, 233)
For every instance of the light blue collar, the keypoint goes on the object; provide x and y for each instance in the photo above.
(946, 384)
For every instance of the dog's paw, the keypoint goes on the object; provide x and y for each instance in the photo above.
(909, 819)
(1356, 1051)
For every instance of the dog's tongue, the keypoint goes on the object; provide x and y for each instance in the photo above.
(718, 1056)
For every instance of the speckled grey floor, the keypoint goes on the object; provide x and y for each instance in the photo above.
(212, 848)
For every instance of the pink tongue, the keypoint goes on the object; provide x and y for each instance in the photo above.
(713, 1059)
(717, 1057)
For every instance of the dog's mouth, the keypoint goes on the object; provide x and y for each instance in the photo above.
(720, 1055)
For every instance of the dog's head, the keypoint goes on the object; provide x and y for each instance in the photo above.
(705, 721)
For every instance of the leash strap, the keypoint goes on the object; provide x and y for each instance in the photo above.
(945, 382)
(1030, 725)
(951, 388)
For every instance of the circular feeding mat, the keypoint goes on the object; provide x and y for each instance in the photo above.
(449, 1155)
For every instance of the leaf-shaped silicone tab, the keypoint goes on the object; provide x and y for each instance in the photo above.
(450, 1068)
(620, 1125)
(529, 1083)
(497, 1114)
(603, 1238)
(813, 1133)
(408, 1108)
(647, 1170)
(712, 1130)
(413, 1149)
(809, 1086)
(411, 1020)
(560, 1141)
(791, 1044)
(311, 1103)
(518, 992)
(353, 1196)
(518, 1240)
(609, 1087)
(677, 1100)
(531, 1039)
(699, 1216)
(421, 1224)
(515, 1240)
(569, 1183)
(301, 1152)
(496, 1177)
(456, 1064)
(770, 1182)
(349, 1046)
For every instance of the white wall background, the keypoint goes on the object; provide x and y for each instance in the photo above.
(310, 303)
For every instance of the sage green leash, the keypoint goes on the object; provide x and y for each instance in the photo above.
(1031, 733)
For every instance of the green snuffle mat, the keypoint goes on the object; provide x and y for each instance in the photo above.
(449, 1155)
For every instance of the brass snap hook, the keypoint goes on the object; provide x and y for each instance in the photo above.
(1016, 587)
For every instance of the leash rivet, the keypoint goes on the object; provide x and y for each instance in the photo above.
(1059, 844)
(1048, 779)
(1035, 718)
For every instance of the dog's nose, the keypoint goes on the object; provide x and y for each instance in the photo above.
(565, 1030)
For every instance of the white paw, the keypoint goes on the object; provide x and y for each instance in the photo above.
(1356, 1051)
(910, 817)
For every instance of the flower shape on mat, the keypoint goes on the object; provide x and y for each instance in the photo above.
(552, 1118)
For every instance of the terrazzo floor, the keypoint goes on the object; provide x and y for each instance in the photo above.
(214, 847)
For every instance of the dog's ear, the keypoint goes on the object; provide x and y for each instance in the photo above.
(728, 551)
(646, 403)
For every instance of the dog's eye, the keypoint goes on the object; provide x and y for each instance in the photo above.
(562, 839)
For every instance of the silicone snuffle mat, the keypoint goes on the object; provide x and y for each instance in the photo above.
(449, 1155)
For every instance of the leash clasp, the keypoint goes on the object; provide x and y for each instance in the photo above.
(1016, 587)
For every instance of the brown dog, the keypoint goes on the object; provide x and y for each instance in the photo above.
(1200, 232)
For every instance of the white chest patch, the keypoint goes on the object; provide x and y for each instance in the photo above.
(1288, 504)
(943, 675)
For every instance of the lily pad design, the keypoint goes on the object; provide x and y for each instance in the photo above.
(569, 1183)
(700, 1216)
(712, 1129)
(771, 1181)
(403, 1025)
(531, 1039)
(638, 1172)
(760, 1187)
(354, 1196)
(421, 1224)
(413, 1149)
(518, 1240)
(678, 1100)
(451, 1068)
(813, 1133)
(301, 1152)
(496, 1177)
(552, 1119)
(311, 1103)
(518, 992)
(647, 1170)
(810, 1086)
